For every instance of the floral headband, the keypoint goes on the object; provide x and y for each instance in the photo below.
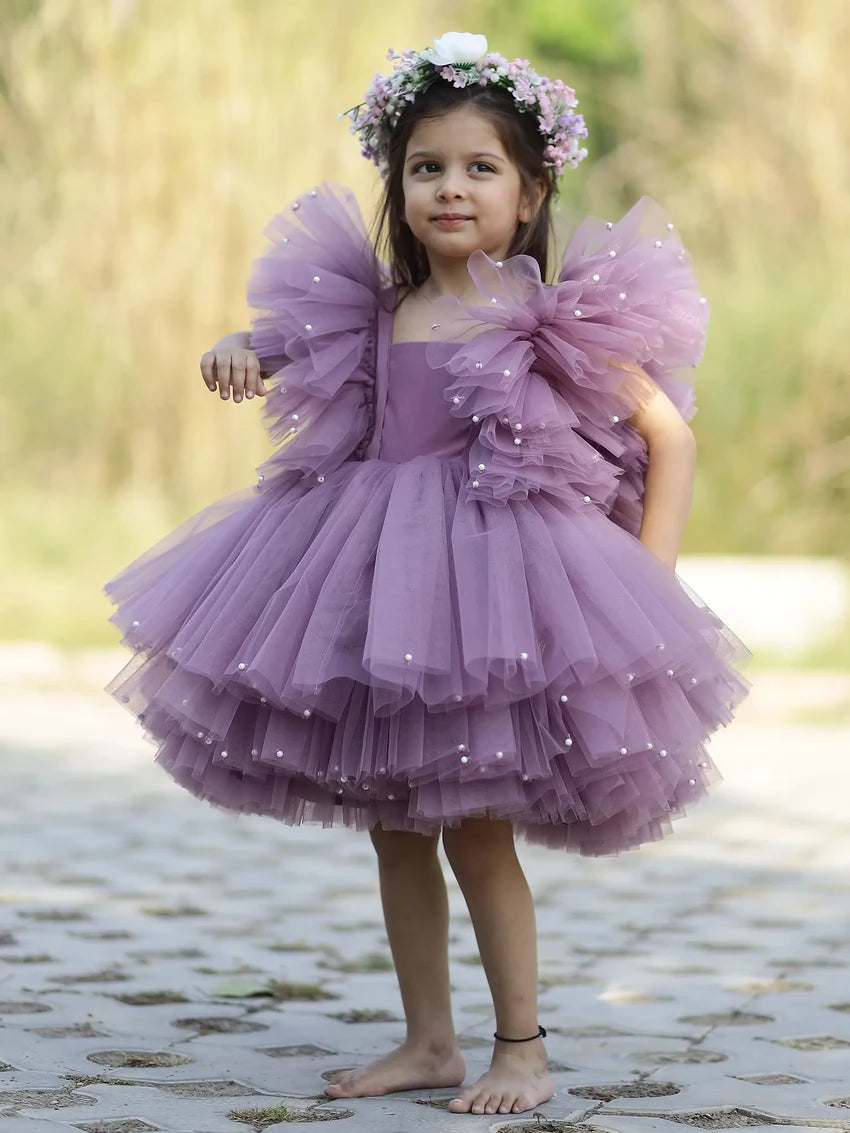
(462, 59)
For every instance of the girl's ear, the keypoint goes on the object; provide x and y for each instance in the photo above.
(531, 201)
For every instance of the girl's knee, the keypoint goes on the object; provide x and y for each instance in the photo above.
(479, 845)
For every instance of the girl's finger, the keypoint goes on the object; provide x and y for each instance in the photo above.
(237, 374)
(207, 368)
(222, 370)
(252, 375)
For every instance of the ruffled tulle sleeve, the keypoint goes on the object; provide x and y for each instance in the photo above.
(316, 291)
(550, 374)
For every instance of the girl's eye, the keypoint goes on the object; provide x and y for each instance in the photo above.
(420, 168)
(485, 168)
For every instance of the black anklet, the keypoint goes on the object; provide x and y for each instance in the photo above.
(541, 1034)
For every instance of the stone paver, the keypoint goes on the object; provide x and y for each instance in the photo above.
(166, 966)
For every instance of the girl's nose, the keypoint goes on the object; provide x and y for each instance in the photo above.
(450, 186)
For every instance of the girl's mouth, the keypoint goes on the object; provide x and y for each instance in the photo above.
(451, 220)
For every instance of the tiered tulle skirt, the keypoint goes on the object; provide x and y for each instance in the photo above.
(375, 649)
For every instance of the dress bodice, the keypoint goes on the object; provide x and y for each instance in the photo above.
(415, 418)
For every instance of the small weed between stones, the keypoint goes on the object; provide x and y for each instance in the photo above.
(107, 975)
(283, 990)
(34, 958)
(607, 1093)
(371, 962)
(728, 1118)
(541, 1124)
(815, 1042)
(293, 946)
(272, 1115)
(219, 1025)
(151, 998)
(137, 1058)
(23, 1007)
(241, 970)
(174, 911)
(366, 1015)
(60, 915)
(131, 1125)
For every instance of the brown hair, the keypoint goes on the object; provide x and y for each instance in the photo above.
(524, 145)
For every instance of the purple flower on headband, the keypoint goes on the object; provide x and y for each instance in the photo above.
(462, 59)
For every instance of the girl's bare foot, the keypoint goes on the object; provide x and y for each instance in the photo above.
(516, 1081)
(410, 1067)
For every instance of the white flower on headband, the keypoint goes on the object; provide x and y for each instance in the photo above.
(456, 47)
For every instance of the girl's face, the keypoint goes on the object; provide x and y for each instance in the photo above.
(461, 190)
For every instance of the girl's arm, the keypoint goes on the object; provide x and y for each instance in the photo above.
(669, 476)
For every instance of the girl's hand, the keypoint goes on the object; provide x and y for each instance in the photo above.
(232, 362)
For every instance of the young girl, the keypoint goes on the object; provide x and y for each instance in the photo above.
(449, 606)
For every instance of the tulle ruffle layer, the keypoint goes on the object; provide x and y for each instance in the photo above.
(374, 649)
(315, 292)
(550, 374)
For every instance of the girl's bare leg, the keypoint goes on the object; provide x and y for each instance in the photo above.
(416, 913)
(484, 861)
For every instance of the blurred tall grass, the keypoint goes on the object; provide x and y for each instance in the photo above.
(143, 146)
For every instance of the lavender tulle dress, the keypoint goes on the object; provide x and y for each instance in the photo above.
(433, 604)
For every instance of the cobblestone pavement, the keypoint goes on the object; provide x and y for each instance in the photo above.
(167, 966)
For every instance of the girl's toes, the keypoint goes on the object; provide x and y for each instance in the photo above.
(479, 1104)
